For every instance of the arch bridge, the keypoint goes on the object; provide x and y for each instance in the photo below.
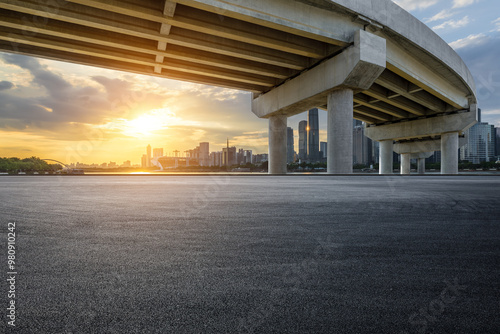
(369, 60)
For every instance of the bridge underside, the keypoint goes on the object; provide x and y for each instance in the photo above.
(224, 44)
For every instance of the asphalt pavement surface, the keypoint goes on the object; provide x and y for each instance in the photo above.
(252, 254)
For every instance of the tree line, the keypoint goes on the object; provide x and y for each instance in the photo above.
(28, 165)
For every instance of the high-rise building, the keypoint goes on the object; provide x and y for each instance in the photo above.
(240, 156)
(204, 154)
(362, 148)
(229, 157)
(497, 143)
(480, 144)
(260, 158)
(148, 149)
(375, 151)
(303, 140)
(144, 161)
(157, 152)
(323, 146)
(248, 156)
(290, 149)
(216, 159)
(313, 138)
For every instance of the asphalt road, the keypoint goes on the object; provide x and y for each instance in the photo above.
(253, 254)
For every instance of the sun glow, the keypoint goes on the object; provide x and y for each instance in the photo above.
(149, 123)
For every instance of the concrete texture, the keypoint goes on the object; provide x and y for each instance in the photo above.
(405, 164)
(449, 153)
(357, 68)
(263, 254)
(405, 27)
(277, 144)
(423, 127)
(386, 157)
(339, 129)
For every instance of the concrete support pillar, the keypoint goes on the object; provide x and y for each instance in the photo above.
(405, 164)
(449, 153)
(421, 165)
(339, 129)
(385, 157)
(277, 144)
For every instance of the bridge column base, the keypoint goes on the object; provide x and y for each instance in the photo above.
(449, 153)
(385, 157)
(339, 129)
(277, 144)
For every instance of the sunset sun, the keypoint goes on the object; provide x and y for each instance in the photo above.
(148, 123)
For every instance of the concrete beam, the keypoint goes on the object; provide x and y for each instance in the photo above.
(423, 146)
(422, 155)
(99, 19)
(110, 39)
(290, 16)
(415, 71)
(381, 94)
(412, 92)
(208, 23)
(433, 126)
(380, 106)
(355, 68)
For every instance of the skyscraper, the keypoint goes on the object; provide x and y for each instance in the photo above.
(362, 147)
(303, 140)
(323, 146)
(313, 142)
(204, 154)
(480, 144)
(289, 145)
(497, 143)
(148, 164)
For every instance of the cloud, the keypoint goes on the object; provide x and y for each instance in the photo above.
(469, 41)
(491, 116)
(453, 24)
(49, 101)
(5, 85)
(462, 3)
(410, 5)
(442, 15)
(480, 53)
(497, 24)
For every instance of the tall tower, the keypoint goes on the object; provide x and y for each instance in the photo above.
(148, 164)
(303, 140)
(289, 145)
(204, 153)
(313, 141)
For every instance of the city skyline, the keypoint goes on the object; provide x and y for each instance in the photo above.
(118, 113)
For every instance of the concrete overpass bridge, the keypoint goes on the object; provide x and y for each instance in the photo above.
(369, 60)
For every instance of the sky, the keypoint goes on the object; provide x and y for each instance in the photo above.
(76, 113)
